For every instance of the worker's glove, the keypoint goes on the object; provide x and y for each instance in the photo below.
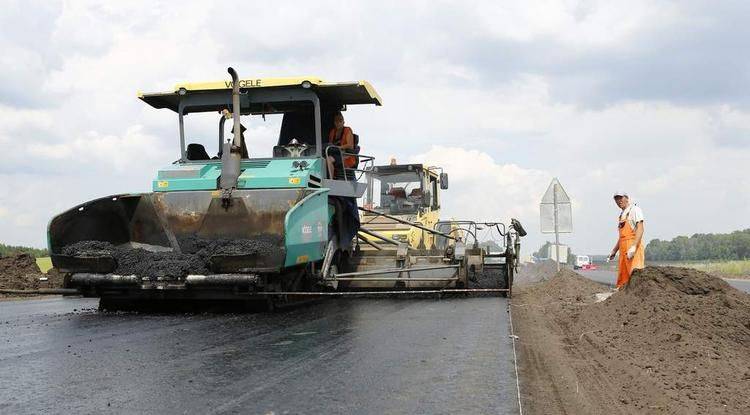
(631, 252)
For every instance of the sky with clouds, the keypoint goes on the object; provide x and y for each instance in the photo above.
(648, 96)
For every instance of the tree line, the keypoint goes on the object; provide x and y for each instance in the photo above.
(6, 250)
(701, 246)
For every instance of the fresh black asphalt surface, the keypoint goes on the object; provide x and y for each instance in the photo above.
(372, 356)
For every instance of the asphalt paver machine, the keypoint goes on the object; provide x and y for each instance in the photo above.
(231, 226)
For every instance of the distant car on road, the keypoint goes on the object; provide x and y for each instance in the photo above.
(581, 261)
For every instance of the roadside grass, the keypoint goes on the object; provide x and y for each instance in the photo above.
(44, 264)
(739, 268)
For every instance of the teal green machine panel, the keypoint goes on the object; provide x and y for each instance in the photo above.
(306, 229)
(255, 174)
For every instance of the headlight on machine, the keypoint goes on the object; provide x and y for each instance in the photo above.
(401, 237)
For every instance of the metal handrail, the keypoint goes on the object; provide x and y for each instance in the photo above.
(363, 158)
(504, 232)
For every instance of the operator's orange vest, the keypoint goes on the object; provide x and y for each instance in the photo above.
(349, 161)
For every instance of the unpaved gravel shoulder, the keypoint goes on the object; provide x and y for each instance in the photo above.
(552, 373)
(673, 341)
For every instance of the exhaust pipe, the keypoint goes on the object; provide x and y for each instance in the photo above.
(231, 152)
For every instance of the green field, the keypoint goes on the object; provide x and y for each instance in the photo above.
(44, 263)
(726, 269)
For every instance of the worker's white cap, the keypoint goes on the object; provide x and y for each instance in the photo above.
(621, 193)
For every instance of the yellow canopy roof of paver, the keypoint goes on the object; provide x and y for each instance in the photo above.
(347, 93)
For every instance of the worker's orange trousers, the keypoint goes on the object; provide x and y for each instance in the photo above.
(626, 266)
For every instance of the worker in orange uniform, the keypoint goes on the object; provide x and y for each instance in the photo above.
(630, 240)
(342, 138)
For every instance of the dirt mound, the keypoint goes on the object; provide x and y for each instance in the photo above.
(55, 279)
(157, 262)
(686, 331)
(567, 286)
(674, 281)
(19, 272)
(674, 340)
(535, 272)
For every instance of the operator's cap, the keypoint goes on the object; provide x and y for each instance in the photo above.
(621, 193)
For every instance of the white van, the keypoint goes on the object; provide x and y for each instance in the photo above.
(581, 261)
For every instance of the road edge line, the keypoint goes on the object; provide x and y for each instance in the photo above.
(515, 358)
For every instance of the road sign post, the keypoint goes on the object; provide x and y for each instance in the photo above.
(557, 229)
(556, 214)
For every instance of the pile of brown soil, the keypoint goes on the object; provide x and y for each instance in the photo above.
(19, 272)
(55, 279)
(686, 332)
(674, 340)
(566, 286)
(535, 272)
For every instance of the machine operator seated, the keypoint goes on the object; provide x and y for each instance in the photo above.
(396, 201)
(342, 138)
(416, 197)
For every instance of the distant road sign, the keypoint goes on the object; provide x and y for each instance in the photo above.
(556, 214)
(556, 199)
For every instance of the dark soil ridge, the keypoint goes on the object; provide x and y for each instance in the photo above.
(674, 340)
(686, 331)
(19, 272)
(535, 272)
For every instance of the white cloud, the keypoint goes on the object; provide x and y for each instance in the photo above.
(577, 24)
(129, 151)
(602, 95)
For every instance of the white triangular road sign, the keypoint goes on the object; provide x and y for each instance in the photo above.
(549, 195)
